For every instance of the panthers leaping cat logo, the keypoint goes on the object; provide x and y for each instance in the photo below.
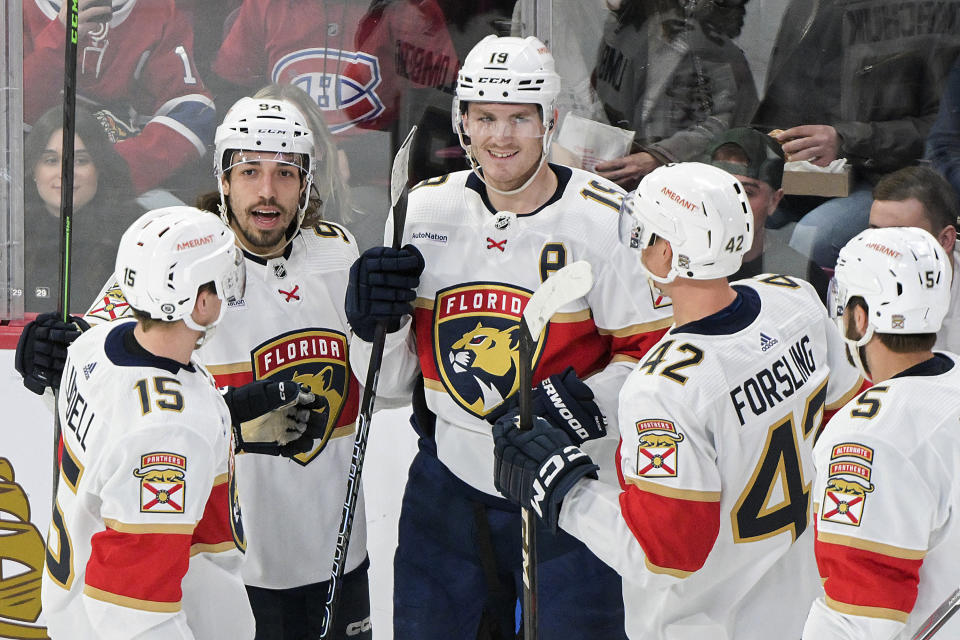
(491, 356)
(321, 385)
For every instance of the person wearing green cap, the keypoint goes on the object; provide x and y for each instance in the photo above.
(756, 160)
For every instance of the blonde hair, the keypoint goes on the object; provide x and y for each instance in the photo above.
(332, 198)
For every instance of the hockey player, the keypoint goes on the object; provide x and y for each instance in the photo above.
(146, 538)
(484, 240)
(717, 421)
(289, 326)
(896, 446)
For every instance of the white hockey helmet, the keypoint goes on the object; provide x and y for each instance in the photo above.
(268, 126)
(507, 70)
(701, 210)
(167, 254)
(902, 273)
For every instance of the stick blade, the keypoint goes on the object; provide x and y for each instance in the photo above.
(563, 287)
(400, 172)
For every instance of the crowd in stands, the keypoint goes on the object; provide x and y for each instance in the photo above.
(154, 77)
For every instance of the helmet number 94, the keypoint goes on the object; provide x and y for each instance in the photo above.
(735, 244)
(266, 106)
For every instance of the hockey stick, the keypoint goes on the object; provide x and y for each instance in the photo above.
(938, 618)
(564, 286)
(399, 185)
(66, 197)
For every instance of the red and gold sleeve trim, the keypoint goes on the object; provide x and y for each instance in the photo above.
(658, 522)
(869, 545)
(671, 492)
(644, 327)
(131, 603)
(866, 580)
(866, 612)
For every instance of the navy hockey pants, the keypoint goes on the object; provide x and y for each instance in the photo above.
(297, 614)
(441, 589)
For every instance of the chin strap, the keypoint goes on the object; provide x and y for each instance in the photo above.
(855, 348)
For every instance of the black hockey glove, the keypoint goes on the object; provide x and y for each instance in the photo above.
(381, 288)
(537, 468)
(564, 400)
(275, 418)
(42, 350)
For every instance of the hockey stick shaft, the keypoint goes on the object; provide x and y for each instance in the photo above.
(566, 285)
(66, 196)
(398, 187)
(528, 520)
(939, 618)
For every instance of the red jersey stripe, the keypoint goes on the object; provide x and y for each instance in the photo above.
(676, 535)
(143, 566)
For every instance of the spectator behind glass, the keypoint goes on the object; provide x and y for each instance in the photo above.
(756, 160)
(854, 84)
(674, 77)
(135, 72)
(104, 205)
(921, 197)
(943, 143)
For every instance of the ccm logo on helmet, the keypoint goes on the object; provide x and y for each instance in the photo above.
(686, 204)
(196, 242)
(494, 80)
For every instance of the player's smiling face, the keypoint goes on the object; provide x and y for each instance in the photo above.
(264, 196)
(507, 141)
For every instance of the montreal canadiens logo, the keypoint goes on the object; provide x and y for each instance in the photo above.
(476, 343)
(317, 358)
(343, 83)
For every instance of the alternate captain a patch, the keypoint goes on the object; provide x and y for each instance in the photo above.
(163, 485)
(476, 343)
(658, 448)
(111, 306)
(848, 484)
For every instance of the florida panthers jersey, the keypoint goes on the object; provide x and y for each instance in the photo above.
(888, 566)
(146, 537)
(718, 423)
(140, 67)
(290, 325)
(481, 268)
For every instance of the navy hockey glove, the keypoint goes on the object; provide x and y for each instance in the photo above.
(566, 401)
(275, 418)
(381, 288)
(537, 468)
(42, 350)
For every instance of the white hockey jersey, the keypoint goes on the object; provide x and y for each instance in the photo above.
(146, 538)
(481, 268)
(889, 565)
(718, 423)
(290, 325)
